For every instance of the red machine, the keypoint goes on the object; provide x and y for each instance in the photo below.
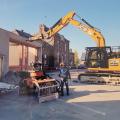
(39, 84)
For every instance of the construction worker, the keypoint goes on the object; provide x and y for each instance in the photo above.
(64, 75)
(37, 65)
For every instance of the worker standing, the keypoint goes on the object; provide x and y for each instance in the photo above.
(64, 75)
(37, 65)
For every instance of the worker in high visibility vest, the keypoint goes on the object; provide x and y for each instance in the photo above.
(64, 75)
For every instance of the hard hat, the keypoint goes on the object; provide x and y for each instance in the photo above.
(61, 64)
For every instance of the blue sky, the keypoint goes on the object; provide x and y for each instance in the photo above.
(29, 14)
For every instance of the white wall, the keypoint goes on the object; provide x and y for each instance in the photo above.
(4, 49)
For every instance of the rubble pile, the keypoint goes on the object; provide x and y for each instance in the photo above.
(11, 78)
(11, 81)
(5, 87)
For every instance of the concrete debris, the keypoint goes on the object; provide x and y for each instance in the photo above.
(11, 78)
(9, 82)
(5, 87)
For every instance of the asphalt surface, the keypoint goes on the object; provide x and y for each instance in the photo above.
(86, 102)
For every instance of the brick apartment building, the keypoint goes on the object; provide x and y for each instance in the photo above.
(55, 50)
(61, 50)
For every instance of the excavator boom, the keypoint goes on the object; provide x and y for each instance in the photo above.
(69, 19)
(60, 24)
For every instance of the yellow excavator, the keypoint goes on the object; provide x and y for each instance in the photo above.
(103, 62)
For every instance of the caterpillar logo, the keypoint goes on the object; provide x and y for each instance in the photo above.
(114, 62)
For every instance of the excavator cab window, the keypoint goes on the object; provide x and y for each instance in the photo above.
(97, 57)
(115, 52)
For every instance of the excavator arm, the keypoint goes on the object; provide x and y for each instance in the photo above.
(60, 24)
(54, 29)
(68, 19)
(91, 31)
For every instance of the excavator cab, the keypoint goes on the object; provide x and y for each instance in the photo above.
(97, 57)
(101, 57)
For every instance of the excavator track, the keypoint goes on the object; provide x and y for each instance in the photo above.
(100, 78)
